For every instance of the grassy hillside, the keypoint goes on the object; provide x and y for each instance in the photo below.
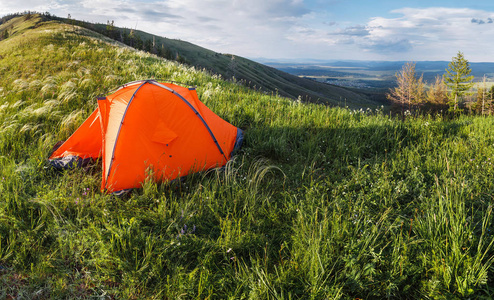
(321, 203)
(254, 75)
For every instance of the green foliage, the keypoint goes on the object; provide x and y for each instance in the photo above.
(446, 90)
(483, 105)
(410, 89)
(321, 203)
(458, 79)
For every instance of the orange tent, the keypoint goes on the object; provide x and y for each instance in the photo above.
(147, 128)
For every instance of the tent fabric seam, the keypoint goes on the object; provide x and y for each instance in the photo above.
(119, 129)
(196, 113)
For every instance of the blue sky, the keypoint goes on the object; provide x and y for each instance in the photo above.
(297, 29)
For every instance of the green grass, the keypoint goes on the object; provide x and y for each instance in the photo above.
(321, 203)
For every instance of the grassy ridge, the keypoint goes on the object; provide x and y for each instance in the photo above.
(252, 74)
(321, 202)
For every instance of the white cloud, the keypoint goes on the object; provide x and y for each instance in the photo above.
(7, 6)
(289, 29)
(422, 34)
(244, 27)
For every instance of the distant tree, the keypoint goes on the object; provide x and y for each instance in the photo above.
(490, 100)
(479, 105)
(484, 99)
(233, 66)
(167, 53)
(111, 32)
(7, 32)
(125, 37)
(148, 45)
(181, 59)
(409, 90)
(110, 25)
(71, 21)
(137, 41)
(420, 93)
(458, 80)
(437, 94)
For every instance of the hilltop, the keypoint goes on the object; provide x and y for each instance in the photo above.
(232, 67)
(320, 203)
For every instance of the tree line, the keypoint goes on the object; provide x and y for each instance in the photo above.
(452, 92)
(127, 36)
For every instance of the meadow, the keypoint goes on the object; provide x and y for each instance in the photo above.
(320, 203)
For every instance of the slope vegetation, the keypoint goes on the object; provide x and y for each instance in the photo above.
(252, 74)
(321, 203)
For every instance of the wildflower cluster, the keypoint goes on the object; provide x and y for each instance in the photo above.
(368, 111)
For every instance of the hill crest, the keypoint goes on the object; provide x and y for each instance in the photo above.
(231, 67)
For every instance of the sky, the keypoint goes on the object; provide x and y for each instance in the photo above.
(300, 30)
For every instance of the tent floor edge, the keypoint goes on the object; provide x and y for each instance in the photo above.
(70, 162)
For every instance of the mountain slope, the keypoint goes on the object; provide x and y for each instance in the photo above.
(250, 73)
